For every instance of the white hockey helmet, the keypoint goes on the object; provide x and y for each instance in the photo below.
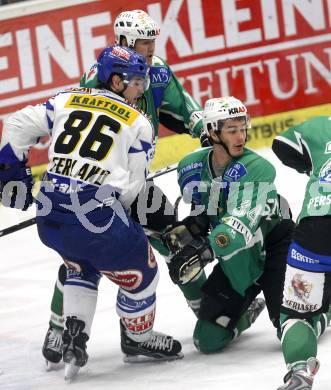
(133, 25)
(217, 110)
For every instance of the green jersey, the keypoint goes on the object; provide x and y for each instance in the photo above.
(166, 101)
(241, 205)
(307, 148)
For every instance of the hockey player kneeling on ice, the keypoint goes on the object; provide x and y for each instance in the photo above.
(235, 219)
(307, 287)
(100, 153)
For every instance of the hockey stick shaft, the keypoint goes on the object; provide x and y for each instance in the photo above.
(32, 221)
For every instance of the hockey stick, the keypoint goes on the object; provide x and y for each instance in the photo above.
(32, 221)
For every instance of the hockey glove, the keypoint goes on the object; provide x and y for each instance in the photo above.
(185, 231)
(189, 261)
(16, 184)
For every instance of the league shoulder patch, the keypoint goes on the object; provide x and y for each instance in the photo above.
(222, 240)
(235, 172)
(91, 74)
(325, 173)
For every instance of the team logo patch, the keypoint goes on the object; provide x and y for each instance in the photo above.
(301, 287)
(128, 280)
(151, 258)
(222, 240)
(325, 173)
(235, 172)
(92, 72)
(73, 266)
(303, 290)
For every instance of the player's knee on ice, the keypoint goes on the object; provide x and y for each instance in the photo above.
(209, 337)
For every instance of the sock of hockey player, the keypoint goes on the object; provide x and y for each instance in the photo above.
(250, 316)
(79, 304)
(299, 340)
(299, 345)
(192, 291)
(139, 342)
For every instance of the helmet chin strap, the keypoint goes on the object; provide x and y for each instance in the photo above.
(220, 142)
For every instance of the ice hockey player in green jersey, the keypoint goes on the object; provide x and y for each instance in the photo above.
(307, 286)
(236, 220)
(166, 102)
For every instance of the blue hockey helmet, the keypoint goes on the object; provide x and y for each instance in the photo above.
(121, 60)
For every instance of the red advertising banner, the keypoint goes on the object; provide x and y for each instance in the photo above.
(275, 55)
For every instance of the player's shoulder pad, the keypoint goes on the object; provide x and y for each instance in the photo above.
(251, 167)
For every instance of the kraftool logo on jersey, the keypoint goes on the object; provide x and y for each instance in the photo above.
(328, 148)
(235, 172)
(325, 173)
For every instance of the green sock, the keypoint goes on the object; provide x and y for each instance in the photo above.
(192, 292)
(56, 320)
(299, 341)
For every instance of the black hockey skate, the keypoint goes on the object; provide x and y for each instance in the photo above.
(158, 347)
(52, 348)
(74, 347)
(255, 309)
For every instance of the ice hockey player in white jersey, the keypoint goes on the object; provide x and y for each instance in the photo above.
(99, 157)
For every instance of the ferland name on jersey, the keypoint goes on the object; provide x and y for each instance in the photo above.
(87, 173)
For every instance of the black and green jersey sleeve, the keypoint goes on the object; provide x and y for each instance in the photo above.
(178, 111)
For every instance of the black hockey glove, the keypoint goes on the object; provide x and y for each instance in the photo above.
(189, 261)
(16, 184)
(185, 231)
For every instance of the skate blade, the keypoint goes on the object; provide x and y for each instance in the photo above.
(70, 372)
(147, 359)
(50, 366)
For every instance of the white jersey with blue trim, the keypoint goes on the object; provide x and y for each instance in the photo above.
(97, 138)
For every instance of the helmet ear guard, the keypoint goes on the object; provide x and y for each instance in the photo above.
(133, 25)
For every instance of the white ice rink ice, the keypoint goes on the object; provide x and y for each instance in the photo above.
(27, 275)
